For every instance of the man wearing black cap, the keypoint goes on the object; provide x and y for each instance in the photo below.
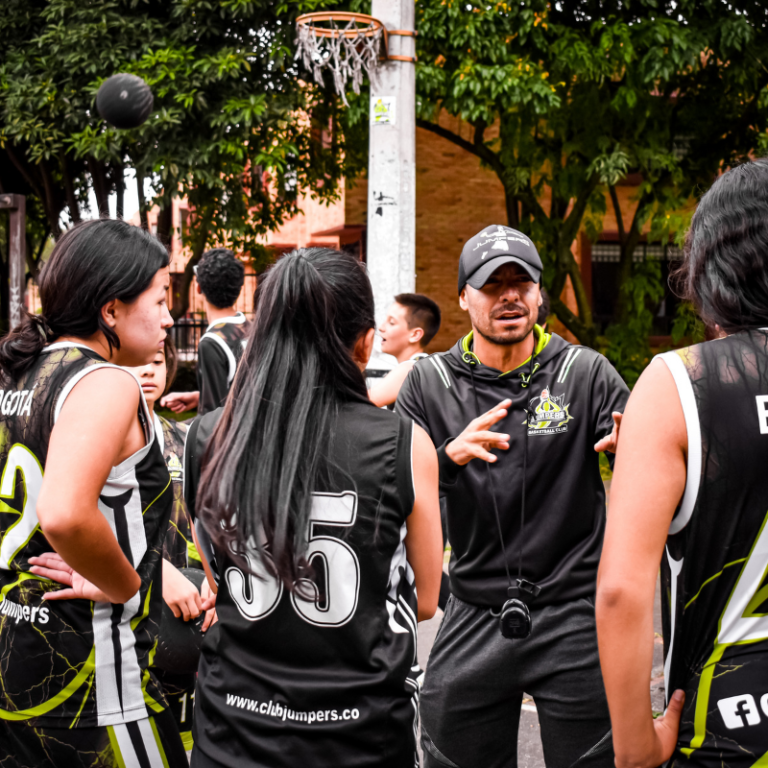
(526, 513)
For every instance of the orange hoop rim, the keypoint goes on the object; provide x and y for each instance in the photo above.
(309, 20)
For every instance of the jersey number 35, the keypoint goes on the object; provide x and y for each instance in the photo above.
(256, 598)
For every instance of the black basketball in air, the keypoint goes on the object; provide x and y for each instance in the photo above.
(124, 101)
(179, 641)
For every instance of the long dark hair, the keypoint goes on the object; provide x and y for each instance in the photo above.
(92, 264)
(270, 449)
(724, 272)
(171, 362)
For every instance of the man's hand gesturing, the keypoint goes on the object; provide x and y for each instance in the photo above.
(476, 441)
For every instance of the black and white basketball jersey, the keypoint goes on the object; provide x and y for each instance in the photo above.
(218, 355)
(715, 566)
(328, 679)
(179, 547)
(75, 663)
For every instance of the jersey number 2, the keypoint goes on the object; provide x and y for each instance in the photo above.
(741, 621)
(333, 560)
(21, 531)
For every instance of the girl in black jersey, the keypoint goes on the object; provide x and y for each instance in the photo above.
(86, 499)
(321, 519)
(691, 490)
(179, 551)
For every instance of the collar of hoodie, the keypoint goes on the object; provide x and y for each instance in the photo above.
(542, 339)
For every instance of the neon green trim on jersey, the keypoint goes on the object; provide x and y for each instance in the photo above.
(702, 700)
(157, 497)
(148, 700)
(761, 762)
(159, 743)
(155, 706)
(89, 665)
(187, 740)
(115, 747)
(542, 339)
(9, 510)
(712, 578)
(757, 600)
(192, 553)
(145, 611)
(91, 678)
(23, 576)
(708, 671)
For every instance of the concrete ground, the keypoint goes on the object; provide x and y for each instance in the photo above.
(529, 749)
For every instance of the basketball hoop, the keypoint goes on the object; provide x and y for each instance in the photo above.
(349, 44)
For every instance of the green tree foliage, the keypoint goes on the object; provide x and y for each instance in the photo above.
(234, 128)
(564, 100)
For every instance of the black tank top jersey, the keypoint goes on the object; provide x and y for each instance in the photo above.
(75, 663)
(715, 567)
(179, 547)
(219, 353)
(288, 681)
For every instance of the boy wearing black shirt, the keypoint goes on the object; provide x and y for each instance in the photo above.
(220, 276)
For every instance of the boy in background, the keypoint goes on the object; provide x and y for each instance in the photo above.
(220, 276)
(411, 323)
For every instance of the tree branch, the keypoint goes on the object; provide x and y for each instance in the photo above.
(479, 150)
(617, 212)
(571, 321)
(143, 217)
(628, 245)
(33, 260)
(572, 223)
(480, 127)
(513, 213)
(199, 241)
(99, 180)
(52, 211)
(165, 222)
(119, 174)
(69, 189)
(23, 171)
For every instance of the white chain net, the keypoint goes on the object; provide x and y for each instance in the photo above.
(348, 57)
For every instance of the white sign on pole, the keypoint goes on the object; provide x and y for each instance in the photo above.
(383, 110)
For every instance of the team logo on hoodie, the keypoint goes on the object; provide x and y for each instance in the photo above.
(548, 415)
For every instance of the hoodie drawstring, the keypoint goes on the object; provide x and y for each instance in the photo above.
(531, 370)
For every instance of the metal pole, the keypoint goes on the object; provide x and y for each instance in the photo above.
(391, 247)
(17, 246)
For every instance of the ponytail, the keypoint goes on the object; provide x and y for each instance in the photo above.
(20, 347)
(92, 264)
(270, 450)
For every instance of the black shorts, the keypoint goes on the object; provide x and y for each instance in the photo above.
(475, 680)
(153, 742)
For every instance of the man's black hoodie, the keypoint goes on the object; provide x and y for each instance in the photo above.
(571, 394)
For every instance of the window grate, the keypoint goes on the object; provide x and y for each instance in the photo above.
(607, 253)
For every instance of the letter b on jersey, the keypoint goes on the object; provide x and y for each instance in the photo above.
(738, 711)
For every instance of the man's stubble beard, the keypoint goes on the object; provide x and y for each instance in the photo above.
(508, 339)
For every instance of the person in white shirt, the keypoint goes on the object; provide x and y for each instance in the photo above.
(411, 323)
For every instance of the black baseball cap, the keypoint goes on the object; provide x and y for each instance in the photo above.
(488, 250)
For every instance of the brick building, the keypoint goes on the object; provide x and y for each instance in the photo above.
(455, 198)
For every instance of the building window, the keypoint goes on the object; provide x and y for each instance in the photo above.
(605, 282)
